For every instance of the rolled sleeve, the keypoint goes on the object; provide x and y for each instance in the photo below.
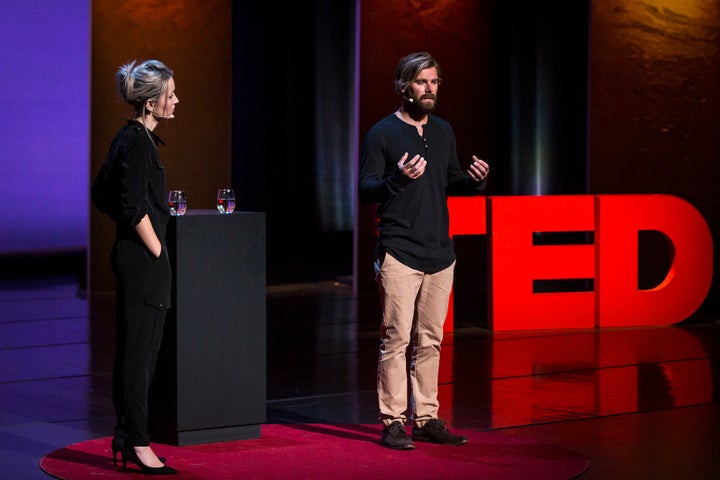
(135, 177)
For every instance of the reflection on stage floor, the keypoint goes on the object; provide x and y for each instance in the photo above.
(639, 402)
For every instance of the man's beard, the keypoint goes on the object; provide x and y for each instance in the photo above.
(424, 107)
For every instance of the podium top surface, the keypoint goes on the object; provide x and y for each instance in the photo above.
(206, 212)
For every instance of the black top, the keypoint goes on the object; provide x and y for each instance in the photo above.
(135, 182)
(413, 215)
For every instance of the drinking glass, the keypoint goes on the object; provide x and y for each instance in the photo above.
(226, 200)
(177, 201)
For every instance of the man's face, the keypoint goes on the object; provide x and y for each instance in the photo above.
(423, 90)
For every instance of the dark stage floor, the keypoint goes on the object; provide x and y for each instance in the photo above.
(639, 403)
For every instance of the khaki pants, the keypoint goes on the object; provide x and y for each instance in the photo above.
(414, 306)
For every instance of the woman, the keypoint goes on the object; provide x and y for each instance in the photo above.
(130, 188)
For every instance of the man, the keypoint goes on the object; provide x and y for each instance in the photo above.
(408, 166)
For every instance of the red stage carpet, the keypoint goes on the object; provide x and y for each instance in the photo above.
(320, 451)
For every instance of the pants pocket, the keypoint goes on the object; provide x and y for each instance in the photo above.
(378, 263)
(156, 301)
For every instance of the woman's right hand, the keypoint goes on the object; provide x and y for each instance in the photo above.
(146, 232)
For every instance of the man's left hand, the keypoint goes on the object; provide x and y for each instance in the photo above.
(478, 169)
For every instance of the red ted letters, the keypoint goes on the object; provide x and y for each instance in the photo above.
(610, 261)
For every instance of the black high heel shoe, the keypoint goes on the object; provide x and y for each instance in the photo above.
(128, 453)
(117, 445)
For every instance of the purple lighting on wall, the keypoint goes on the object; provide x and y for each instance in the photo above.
(45, 94)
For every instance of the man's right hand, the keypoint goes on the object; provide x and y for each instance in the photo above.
(412, 168)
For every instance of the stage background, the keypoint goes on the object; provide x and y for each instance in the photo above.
(619, 96)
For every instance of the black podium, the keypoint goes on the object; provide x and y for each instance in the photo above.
(210, 383)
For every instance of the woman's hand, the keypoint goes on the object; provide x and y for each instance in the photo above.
(146, 232)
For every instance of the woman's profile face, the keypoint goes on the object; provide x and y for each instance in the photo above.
(167, 101)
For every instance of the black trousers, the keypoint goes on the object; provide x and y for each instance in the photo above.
(142, 299)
